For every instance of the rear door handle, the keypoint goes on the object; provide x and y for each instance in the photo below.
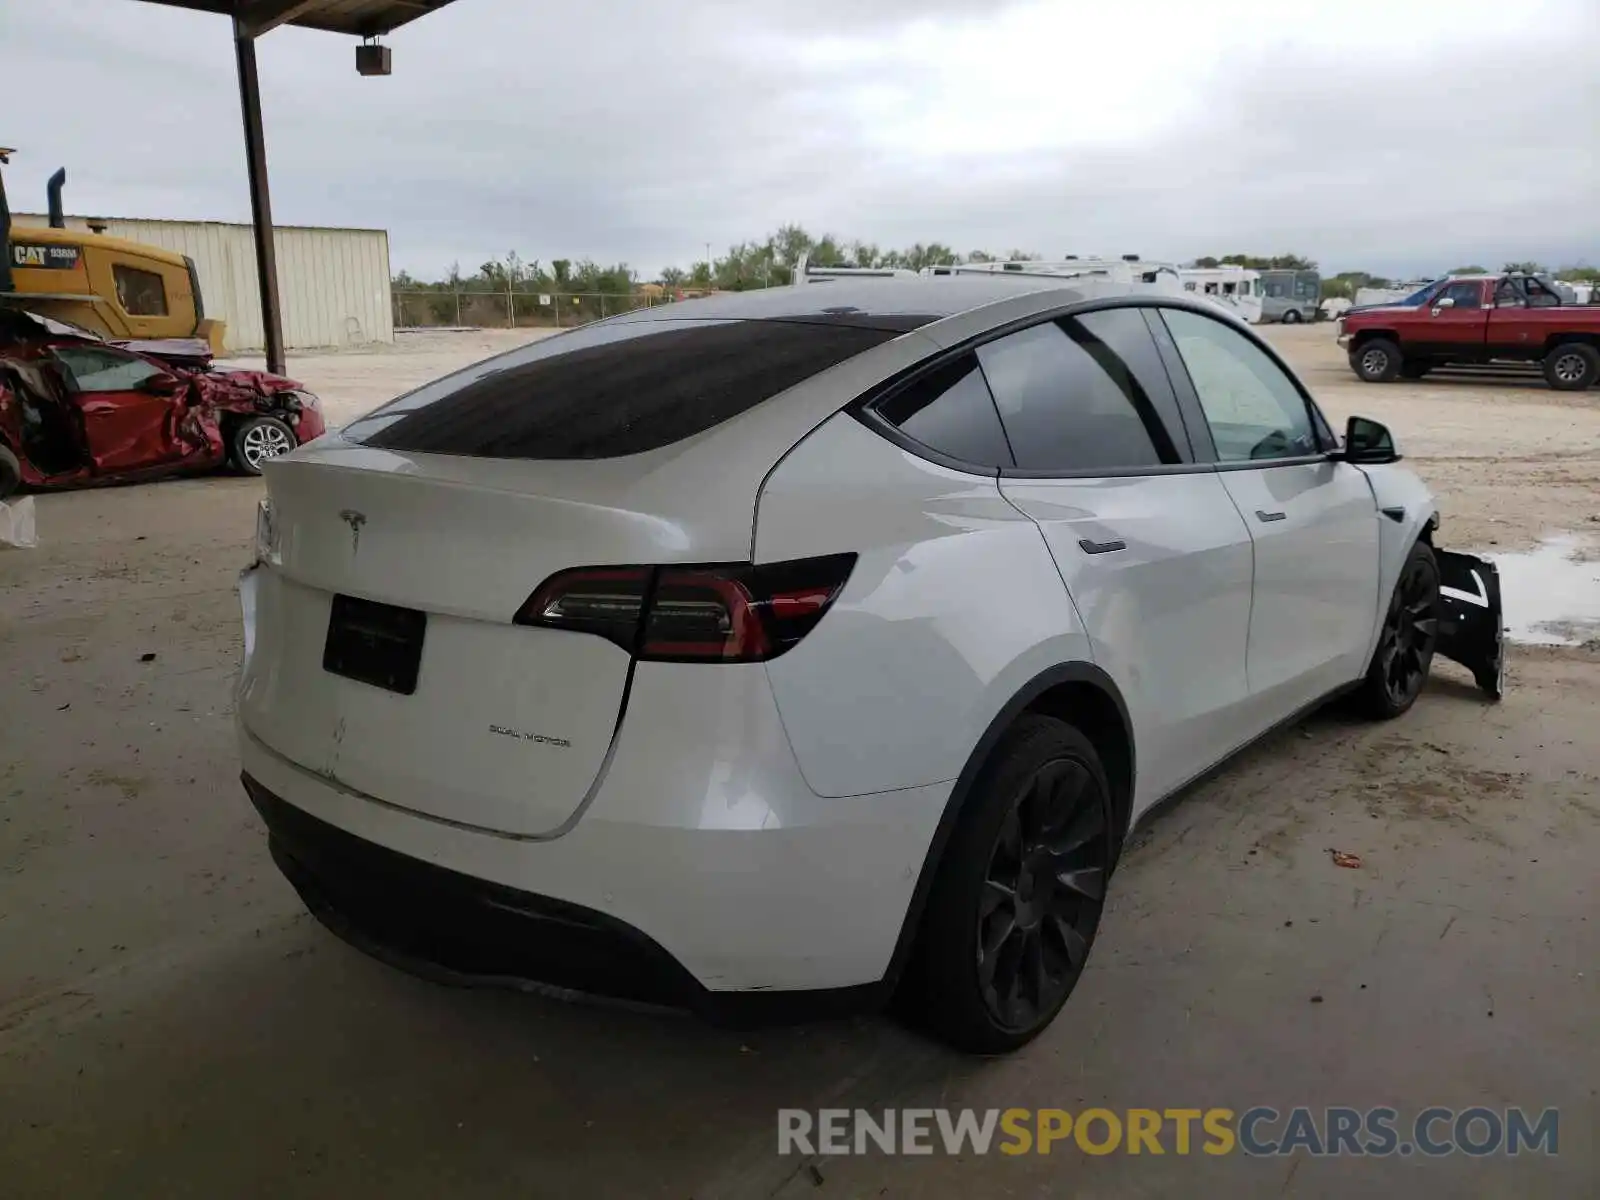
(1089, 547)
(1263, 515)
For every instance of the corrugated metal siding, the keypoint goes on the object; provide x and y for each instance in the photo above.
(333, 283)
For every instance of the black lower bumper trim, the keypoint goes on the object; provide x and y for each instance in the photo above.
(454, 928)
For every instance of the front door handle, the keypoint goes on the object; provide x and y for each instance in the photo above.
(1263, 515)
(1089, 547)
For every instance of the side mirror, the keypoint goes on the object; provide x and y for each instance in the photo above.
(162, 384)
(1367, 442)
(1444, 302)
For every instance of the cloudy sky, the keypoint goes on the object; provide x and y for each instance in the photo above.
(1400, 136)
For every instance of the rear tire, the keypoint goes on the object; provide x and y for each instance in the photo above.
(257, 439)
(1018, 896)
(1292, 317)
(1407, 640)
(1377, 361)
(1572, 367)
(10, 472)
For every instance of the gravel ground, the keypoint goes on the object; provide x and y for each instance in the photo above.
(172, 1023)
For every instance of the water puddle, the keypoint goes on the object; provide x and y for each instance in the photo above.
(1551, 598)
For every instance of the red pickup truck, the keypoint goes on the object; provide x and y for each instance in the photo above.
(1477, 319)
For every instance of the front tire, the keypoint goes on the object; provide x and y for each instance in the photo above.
(258, 439)
(1018, 896)
(1377, 361)
(1410, 634)
(1572, 367)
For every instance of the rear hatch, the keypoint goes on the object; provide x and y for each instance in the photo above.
(386, 657)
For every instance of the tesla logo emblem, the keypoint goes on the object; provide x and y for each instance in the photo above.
(355, 520)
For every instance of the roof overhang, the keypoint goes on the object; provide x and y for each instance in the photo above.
(360, 18)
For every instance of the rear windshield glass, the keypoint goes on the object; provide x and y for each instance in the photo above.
(613, 389)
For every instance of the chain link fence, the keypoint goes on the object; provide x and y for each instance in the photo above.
(513, 309)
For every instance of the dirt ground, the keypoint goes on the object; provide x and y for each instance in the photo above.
(172, 1024)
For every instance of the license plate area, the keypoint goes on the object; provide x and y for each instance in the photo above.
(376, 644)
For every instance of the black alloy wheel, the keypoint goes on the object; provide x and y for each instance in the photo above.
(1043, 894)
(1407, 641)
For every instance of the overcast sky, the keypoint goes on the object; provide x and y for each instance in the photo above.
(1401, 136)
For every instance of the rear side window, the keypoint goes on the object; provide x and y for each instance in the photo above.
(1070, 403)
(612, 389)
(949, 409)
(1125, 334)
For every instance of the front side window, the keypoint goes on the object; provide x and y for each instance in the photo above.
(141, 293)
(1253, 407)
(1466, 293)
(949, 409)
(93, 369)
(1070, 402)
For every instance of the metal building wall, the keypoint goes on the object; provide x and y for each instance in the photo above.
(333, 283)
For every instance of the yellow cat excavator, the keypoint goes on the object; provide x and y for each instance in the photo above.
(117, 288)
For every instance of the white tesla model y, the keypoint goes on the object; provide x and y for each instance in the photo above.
(812, 645)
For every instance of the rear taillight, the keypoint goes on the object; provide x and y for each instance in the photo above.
(736, 613)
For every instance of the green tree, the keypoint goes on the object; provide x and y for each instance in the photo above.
(1531, 268)
(789, 243)
(1468, 271)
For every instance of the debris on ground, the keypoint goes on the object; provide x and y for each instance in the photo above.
(1317, 999)
(18, 530)
(148, 656)
(1343, 858)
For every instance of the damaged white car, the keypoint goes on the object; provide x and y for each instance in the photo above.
(803, 647)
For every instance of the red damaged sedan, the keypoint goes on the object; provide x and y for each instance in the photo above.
(76, 410)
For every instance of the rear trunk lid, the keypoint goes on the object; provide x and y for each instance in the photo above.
(386, 655)
(386, 658)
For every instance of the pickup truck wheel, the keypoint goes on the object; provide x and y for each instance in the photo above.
(10, 473)
(1377, 361)
(1572, 366)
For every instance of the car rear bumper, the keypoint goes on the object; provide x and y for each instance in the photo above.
(434, 921)
(704, 865)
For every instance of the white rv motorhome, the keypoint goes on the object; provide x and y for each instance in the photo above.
(1233, 287)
